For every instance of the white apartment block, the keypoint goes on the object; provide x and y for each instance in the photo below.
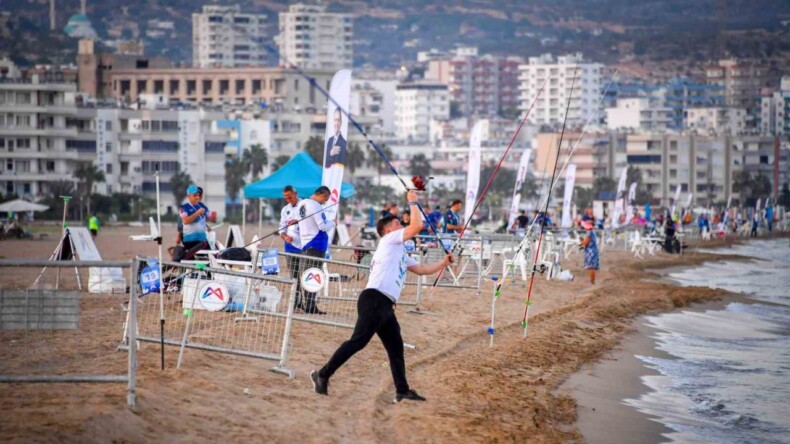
(773, 116)
(312, 38)
(416, 105)
(638, 114)
(223, 36)
(35, 136)
(716, 120)
(375, 100)
(558, 76)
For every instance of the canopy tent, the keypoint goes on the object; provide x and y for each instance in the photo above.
(301, 172)
(21, 206)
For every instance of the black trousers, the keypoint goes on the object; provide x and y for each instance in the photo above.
(375, 315)
(304, 299)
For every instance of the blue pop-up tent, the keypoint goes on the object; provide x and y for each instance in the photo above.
(301, 172)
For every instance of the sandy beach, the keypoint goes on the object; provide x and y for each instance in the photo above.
(508, 393)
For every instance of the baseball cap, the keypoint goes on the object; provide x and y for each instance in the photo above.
(192, 189)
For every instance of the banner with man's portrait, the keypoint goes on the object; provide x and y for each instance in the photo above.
(336, 140)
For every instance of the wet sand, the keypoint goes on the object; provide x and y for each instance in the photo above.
(507, 393)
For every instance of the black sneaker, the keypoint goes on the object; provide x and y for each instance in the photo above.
(315, 310)
(411, 395)
(320, 385)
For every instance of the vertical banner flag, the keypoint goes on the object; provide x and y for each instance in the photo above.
(570, 179)
(523, 167)
(479, 131)
(688, 201)
(619, 198)
(629, 212)
(675, 201)
(335, 142)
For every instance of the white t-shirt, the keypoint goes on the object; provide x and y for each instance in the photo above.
(389, 265)
(287, 214)
(312, 229)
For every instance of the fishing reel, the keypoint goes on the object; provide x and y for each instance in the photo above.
(419, 183)
(540, 268)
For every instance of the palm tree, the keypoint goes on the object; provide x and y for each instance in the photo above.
(279, 161)
(315, 148)
(57, 189)
(88, 174)
(255, 158)
(179, 184)
(235, 170)
(378, 162)
(355, 157)
(419, 165)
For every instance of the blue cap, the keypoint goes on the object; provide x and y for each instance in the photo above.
(192, 189)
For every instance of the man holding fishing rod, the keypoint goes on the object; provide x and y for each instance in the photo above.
(376, 304)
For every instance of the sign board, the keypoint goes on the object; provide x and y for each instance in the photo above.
(313, 280)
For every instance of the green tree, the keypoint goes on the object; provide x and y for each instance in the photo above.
(88, 175)
(583, 197)
(255, 158)
(378, 162)
(604, 184)
(751, 187)
(419, 165)
(279, 161)
(355, 157)
(315, 148)
(235, 170)
(179, 183)
(53, 199)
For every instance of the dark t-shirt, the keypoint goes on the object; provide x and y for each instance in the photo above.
(523, 221)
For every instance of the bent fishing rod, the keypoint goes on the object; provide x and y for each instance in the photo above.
(493, 175)
(311, 80)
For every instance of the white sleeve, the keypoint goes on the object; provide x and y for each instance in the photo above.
(323, 224)
(283, 219)
(410, 261)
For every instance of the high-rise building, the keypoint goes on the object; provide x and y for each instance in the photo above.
(479, 85)
(417, 104)
(558, 76)
(224, 36)
(36, 140)
(773, 110)
(312, 38)
(742, 81)
(716, 120)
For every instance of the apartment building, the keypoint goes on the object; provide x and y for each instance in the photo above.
(416, 105)
(742, 81)
(224, 36)
(479, 85)
(312, 38)
(773, 110)
(586, 79)
(716, 120)
(639, 114)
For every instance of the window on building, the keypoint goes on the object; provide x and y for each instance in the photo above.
(169, 126)
(124, 168)
(160, 146)
(673, 174)
(108, 147)
(206, 87)
(764, 160)
(240, 84)
(108, 168)
(156, 126)
(9, 165)
(22, 166)
(174, 87)
(141, 87)
(26, 188)
(23, 98)
(50, 166)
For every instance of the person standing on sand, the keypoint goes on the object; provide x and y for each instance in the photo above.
(590, 250)
(376, 304)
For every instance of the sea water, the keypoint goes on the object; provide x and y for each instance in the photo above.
(727, 379)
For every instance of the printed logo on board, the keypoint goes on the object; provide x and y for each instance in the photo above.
(214, 296)
(313, 280)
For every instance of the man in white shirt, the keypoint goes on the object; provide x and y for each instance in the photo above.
(289, 229)
(313, 227)
(376, 304)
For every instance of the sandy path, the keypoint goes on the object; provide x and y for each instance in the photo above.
(475, 393)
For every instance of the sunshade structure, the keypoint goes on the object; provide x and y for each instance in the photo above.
(301, 172)
(21, 206)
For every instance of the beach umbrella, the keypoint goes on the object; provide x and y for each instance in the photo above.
(21, 206)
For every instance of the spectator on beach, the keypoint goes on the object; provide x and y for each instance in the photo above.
(194, 214)
(590, 244)
(755, 223)
(769, 218)
(452, 218)
(376, 304)
(521, 221)
(93, 226)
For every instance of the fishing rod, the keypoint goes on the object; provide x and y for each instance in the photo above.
(546, 208)
(312, 81)
(491, 179)
(341, 199)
